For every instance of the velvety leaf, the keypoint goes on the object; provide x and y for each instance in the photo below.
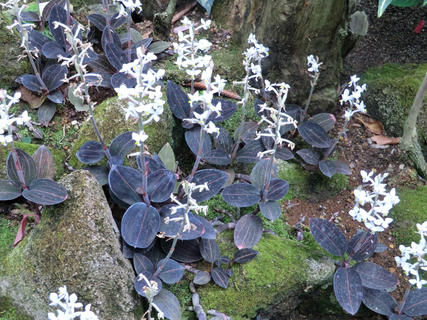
(53, 76)
(228, 108)
(112, 47)
(399, 317)
(173, 227)
(142, 264)
(362, 245)
(56, 96)
(59, 14)
(153, 164)
(224, 141)
(94, 80)
(20, 167)
(98, 20)
(159, 46)
(192, 137)
(53, 50)
(167, 156)
(186, 251)
(121, 78)
(36, 40)
(310, 156)
(141, 283)
(47, 9)
(209, 250)
(325, 120)
(207, 4)
(122, 145)
(223, 260)
(178, 101)
(248, 154)
(328, 236)
(241, 195)
(248, 231)
(9, 190)
(379, 301)
(220, 277)
(101, 65)
(314, 134)
(331, 167)
(117, 21)
(171, 272)
(218, 157)
(215, 179)
(348, 289)
(45, 164)
(126, 184)
(20, 234)
(168, 304)
(202, 278)
(246, 131)
(46, 112)
(375, 277)
(416, 303)
(160, 185)
(210, 232)
(278, 189)
(284, 154)
(30, 82)
(140, 225)
(380, 248)
(270, 209)
(45, 192)
(99, 172)
(245, 255)
(257, 108)
(262, 170)
(90, 152)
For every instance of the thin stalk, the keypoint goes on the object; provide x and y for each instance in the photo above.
(198, 157)
(143, 165)
(307, 104)
(129, 18)
(341, 133)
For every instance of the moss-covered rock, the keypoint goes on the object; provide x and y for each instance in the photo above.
(110, 118)
(75, 244)
(412, 209)
(391, 91)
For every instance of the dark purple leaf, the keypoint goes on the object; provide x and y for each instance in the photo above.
(209, 250)
(284, 154)
(122, 145)
(120, 78)
(223, 260)
(172, 271)
(20, 167)
(100, 173)
(228, 108)
(201, 278)
(160, 185)
(168, 304)
(142, 264)
(362, 245)
(30, 16)
(220, 277)
(186, 251)
(52, 50)
(192, 137)
(257, 108)
(30, 82)
(47, 9)
(155, 253)
(329, 236)
(90, 152)
(325, 120)
(314, 134)
(375, 277)
(173, 227)
(348, 289)
(45, 192)
(331, 167)
(245, 255)
(112, 47)
(126, 184)
(20, 234)
(310, 156)
(141, 283)
(101, 65)
(56, 96)
(53, 76)
(260, 174)
(379, 301)
(416, 303)
(270, 209)
(246, 131)
(278, 189)
(45, 164)
(215, 179)
(140, 225)
(178, 101)
(248, 231)
(380, 248)
(46, 112)
(59, 14)
(98, 20)
(117, 20)
(153, 164)
(241, 195)
(101, 79)
(36, 40)
(210, 232)
(249, 153)
(224, 141)
(268, 142)
(144, 42)
(218, 157)
(399, 317)
(9, 190)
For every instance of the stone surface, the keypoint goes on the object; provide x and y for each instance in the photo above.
(293, 30)
(75, 244)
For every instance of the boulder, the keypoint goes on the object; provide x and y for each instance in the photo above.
(75, 244)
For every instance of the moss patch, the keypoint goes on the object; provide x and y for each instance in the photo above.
(7, 235)
(412, 209)
(9, 312)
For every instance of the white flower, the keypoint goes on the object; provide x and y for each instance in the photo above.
(313, 64)
(353, 80)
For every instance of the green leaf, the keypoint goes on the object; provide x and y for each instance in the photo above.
(77, 102)
(425, 3)
(382, 5)
(168, 157)
(207, 4)
(159, 46)
(406, 3)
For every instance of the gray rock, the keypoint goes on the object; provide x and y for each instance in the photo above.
(76, 244)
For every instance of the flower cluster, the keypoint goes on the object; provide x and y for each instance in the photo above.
(277, 118)
(6, 121)
(68, 304)
(189, 49)
(414, 257)
(379, 200)
(352, 95)
(313, 64)
(145, 101)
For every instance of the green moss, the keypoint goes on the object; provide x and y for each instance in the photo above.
(228, 63)
(182, 291)
(9, 312)
(7, 236)
(412, 209)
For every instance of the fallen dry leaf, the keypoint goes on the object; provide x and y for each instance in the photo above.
(224, 93)
(372, 125)
(33, 100)
(383, 140)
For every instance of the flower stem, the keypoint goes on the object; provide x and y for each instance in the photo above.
(307, 104)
